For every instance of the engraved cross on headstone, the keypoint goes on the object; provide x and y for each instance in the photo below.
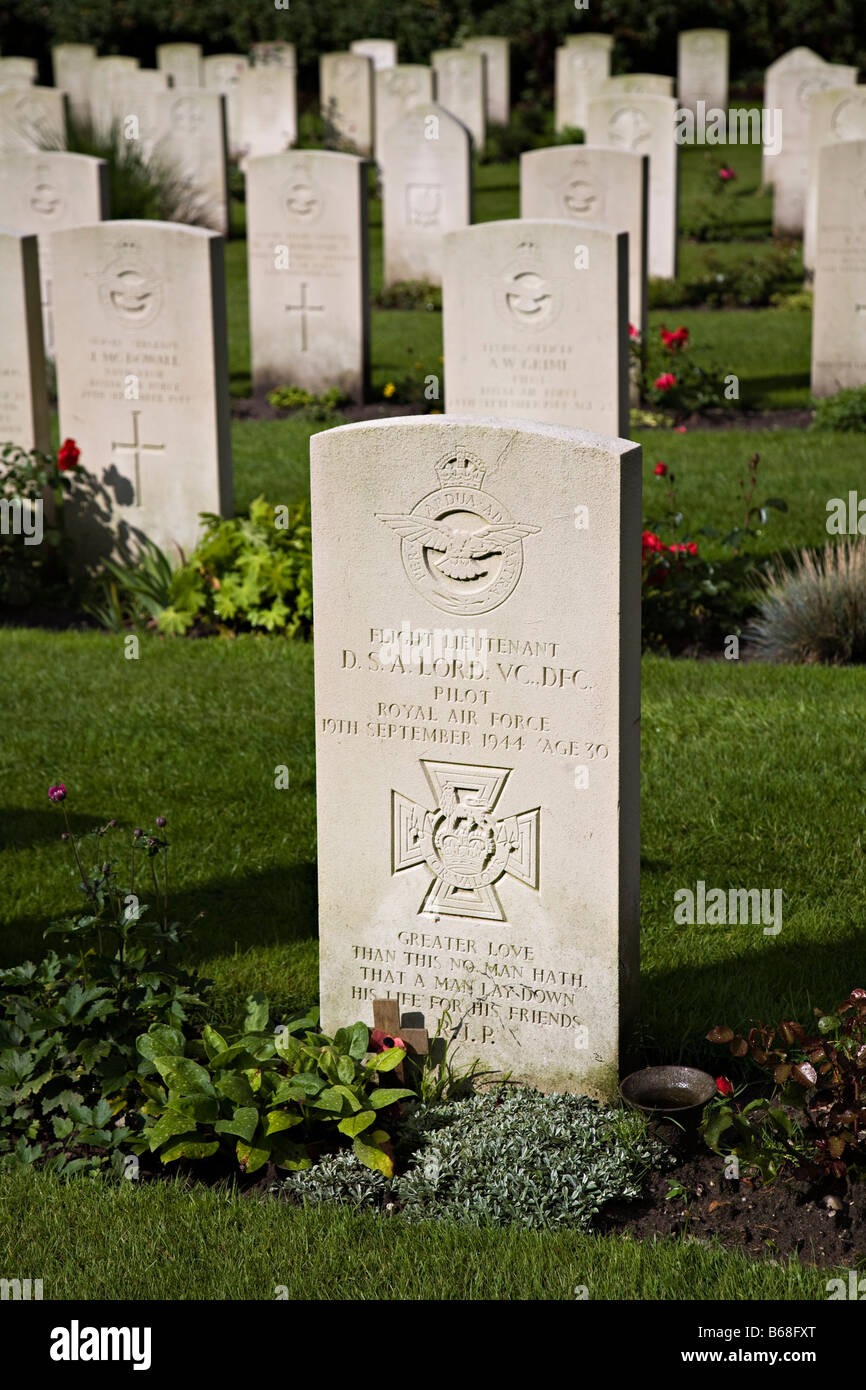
(304, 308)
(136, 448)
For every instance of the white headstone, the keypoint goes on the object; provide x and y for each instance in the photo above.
(18, 72)
(839, 315)
(398, 89)
(381, 52)
(794, 92)
(535, 323)
(835, 115)
(105, 81)
(794, 59)
(580, 71)
(70, 64)
(221, 72)
(32, 118)
(46, 193)
(477, 685)
(307, 256)
(497, 76)
(604, 41)
(130, 99)
(460, 86)
(346, 94)
(267, 111)
(182, 61)
(427, 191)
(646, 125)
(275, 53)
(142, 378)
(183, 132)
(702, 68)
(637, 84)
(608, 188)
(24, 418)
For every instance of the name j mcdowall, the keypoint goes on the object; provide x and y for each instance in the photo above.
(717, 907)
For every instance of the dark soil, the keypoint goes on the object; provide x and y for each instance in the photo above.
(785, 1218)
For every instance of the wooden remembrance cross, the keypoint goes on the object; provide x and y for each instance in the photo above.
(386, 1015)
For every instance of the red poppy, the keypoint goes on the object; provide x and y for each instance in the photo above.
(380, 1041)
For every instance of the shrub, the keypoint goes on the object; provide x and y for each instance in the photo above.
(247, 573)
(845, 412)
(674, 379)
(751, 283)
(304, 405)
(132, 590)
(137, 186)
(502, 1158)
(814, 612)
(409, 294)
(31, 483)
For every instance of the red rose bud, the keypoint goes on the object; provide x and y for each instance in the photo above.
(660, 470)
(665, 381)
(723, 1086)
(68, 455)
(57, 793)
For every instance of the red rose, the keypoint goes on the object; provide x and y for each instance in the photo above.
(660, 470)
(68, 455)
(674, 340)
(651, 542)
(723, 1086)
(632, 331)
(665, 381)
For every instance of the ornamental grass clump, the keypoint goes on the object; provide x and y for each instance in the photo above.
(816, 612)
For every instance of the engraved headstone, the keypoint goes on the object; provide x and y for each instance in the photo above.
(460, 86)
(381, 52)
(581, 68)
(427, 191)
(795, 90)
(142, 379)
(274, 53)
(267, 111)
(24, 418)
(221, 72)
(839, 315)
(106, 78)
(477, 668)
(32, 118)
(794, 59)
(535, 323)
(608, 188)
(497, 76)
(646, 125)
(307, 252)
(835, 115)
(18, 72)
(346, 95)
(45, 193)
(183, 132)
(70, 63)
(182, 61)
(398, 89)
(702, 68)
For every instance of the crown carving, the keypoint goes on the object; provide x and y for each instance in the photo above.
(461, 469)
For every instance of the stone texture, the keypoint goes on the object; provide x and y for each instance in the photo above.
(32, 118)
(107, 79)
(702, 68)
(839, 315)
(142, 379)
(581, 68)
(307, 250)
(651, 84)
(477, 793)
(182, 61)
(460, 86)
(497, 76)
(398, 89)
(427, 191)
(794, 91)
(646, 125)
(834, 115)
(535, 323)
(267, 111)
(276, 53)
(609, 188)
(221, 72)
(24, 418)
(604, 41)
(381, 52)
(46, 193)
(70, 64)
(18, 72)
(346, 94)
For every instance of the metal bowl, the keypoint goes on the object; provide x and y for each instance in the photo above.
(673, 1091)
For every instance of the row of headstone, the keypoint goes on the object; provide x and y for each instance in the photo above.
(139, 323)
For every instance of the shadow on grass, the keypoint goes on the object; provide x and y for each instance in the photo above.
(22, 827)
